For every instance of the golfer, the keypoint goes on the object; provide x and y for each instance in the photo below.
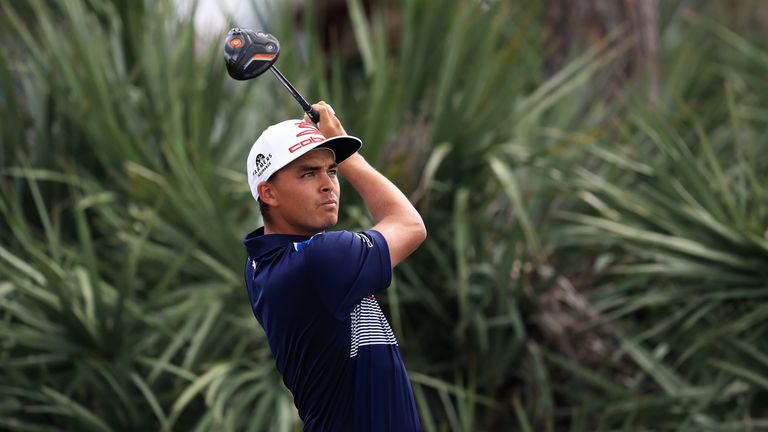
(313, 290)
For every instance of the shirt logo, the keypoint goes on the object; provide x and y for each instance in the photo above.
(297, 246)
(365, 239)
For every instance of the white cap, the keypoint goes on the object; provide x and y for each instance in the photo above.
(282, 143)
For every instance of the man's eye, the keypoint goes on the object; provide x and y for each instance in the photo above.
(332, 172)
(308, 174)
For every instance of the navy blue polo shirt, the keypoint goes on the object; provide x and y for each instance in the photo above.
(314, 297)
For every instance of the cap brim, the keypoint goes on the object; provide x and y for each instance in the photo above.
(343, 146)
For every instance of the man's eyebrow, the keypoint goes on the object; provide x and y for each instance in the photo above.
(304, 168)
(308, 168)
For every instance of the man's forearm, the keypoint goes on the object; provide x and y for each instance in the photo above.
(395, 216)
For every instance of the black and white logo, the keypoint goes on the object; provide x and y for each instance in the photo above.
(365, 239)
(262, 163)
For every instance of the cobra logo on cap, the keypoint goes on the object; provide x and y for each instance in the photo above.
(311, 132)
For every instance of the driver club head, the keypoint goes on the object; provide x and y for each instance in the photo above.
(249, 53)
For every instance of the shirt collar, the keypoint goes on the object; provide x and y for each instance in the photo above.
(259, 244)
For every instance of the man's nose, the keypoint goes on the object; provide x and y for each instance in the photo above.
(327, 184)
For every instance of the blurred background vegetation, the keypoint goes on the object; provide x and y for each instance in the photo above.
(593, 176)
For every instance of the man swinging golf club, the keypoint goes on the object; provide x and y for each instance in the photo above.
(312, 290)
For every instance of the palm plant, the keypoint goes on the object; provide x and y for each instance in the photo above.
(592, 264)
(682, 225)
(107, 226)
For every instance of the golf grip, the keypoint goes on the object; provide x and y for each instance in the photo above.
(313, 115)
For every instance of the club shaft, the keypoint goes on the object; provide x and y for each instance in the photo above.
(296, 95)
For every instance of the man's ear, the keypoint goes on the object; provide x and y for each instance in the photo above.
(267, 193)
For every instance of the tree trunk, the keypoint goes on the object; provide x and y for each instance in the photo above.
(573, 24)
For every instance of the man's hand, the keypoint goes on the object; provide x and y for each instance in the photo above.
(329, 125)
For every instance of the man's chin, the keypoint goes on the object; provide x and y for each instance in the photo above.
(326, 224)
(331, 223)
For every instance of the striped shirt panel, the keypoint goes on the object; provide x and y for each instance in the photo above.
(370, 326)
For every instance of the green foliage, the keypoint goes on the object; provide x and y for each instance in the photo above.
(591, 264)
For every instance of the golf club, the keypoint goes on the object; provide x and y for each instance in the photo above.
(250, 53)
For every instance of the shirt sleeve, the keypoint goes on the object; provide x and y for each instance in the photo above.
(349, 266)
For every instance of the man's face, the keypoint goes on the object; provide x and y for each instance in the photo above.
(306, 194)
